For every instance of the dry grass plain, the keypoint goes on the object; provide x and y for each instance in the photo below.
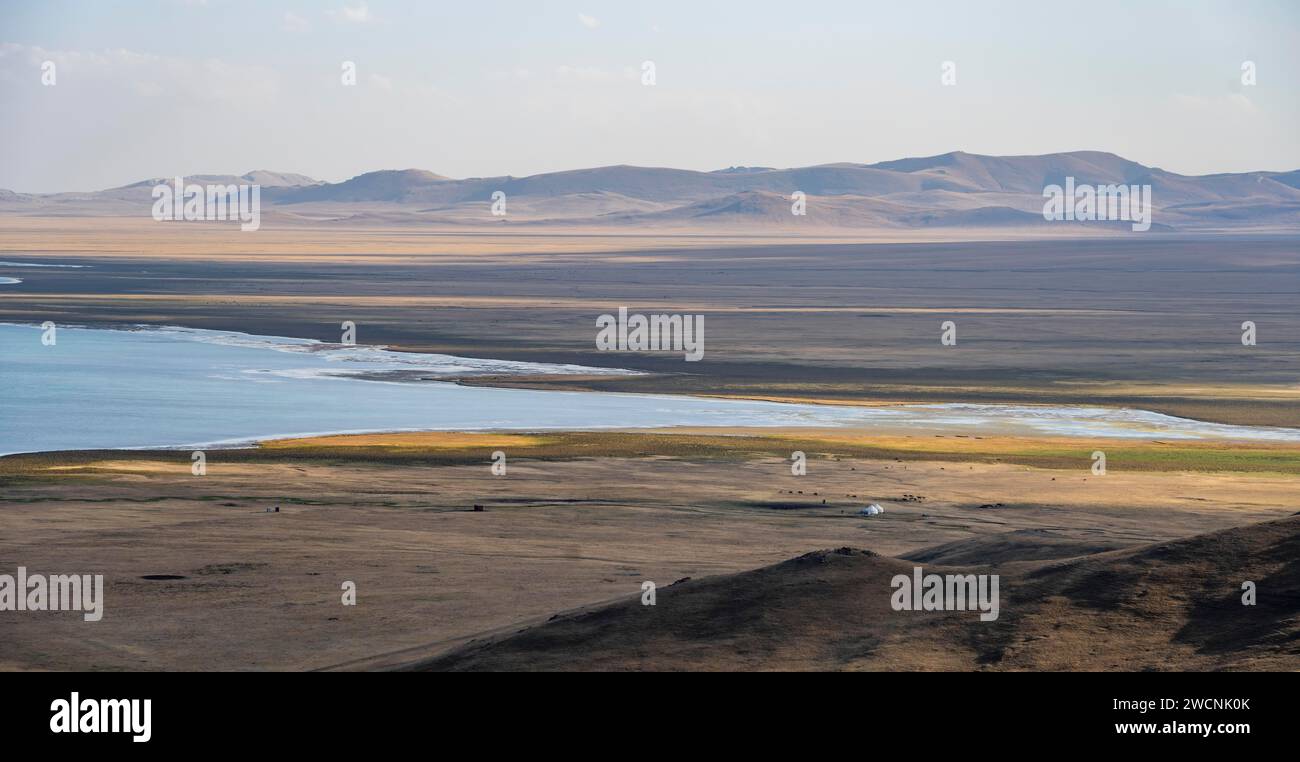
(561, 530)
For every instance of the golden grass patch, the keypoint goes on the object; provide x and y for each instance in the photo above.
(428, 440)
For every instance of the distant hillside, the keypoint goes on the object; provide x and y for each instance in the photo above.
(952, 191)
(1063, 606)
(394, 186)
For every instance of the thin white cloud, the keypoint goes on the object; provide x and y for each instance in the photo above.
(520, 73)
(105, 74)
(357, 15)
(586, 73)
(591, 22)
(295, 23)
(381, 82)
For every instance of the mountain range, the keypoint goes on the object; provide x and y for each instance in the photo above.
(949, 190)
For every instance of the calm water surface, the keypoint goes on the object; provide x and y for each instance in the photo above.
(177, 387)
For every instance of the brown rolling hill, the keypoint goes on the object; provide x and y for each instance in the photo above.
(950, 191)
(1168, 606)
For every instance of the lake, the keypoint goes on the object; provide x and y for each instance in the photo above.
(177, 387)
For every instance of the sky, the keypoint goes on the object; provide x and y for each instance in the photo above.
(478, 89)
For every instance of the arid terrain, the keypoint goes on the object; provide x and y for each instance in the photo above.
(581, 520)
(1169, 605)
(1102, 572)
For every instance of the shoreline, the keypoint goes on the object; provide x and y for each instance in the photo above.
(452, 448)
(881, 431)
(876, 349)
(983, 421)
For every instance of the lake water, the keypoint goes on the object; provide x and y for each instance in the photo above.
(178, 387)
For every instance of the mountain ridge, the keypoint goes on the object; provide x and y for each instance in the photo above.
(954, 189)
(1065, 605)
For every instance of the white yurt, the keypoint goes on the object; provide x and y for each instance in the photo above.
(872, 510)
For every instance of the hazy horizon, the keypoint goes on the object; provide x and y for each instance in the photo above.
(229, 86)
(237, 171)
